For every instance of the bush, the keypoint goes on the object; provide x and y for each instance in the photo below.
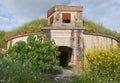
(104, 65)
(32, 62)
(38, 51)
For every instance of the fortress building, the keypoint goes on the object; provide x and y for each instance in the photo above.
(68, 32)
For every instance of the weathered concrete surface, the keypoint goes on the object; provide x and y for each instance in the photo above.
(93, 41)
(64, 8)
(72, 38)
(67, 37)
(56, 15)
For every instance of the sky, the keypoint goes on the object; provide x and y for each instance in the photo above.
(15, 13)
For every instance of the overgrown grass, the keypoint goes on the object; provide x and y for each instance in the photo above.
(92, 27)
(104, 67)
(32, 27)
(35, 27)
(3, 41)
(17, 73)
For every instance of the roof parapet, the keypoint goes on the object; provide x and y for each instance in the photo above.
(64, 8)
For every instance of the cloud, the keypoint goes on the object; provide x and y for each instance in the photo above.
(3, 19)
(30, 8)
(14, 13)
(105, 12)
(23, 11)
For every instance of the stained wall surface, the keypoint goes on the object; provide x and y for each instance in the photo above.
(66, 38)
(92, 42)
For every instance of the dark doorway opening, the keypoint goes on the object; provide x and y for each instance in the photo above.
(65, 55)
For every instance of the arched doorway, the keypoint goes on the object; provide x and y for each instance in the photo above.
(65, 55)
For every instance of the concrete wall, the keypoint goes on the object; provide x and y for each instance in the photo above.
(73, 15)
(13, 40)
(62, 37)
(65, 38)
(58, 11)
(93, 41)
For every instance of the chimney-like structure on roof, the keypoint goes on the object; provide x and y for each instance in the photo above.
(65, 16)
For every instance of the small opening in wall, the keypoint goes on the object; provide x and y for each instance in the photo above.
(66, 21)
(66, 17)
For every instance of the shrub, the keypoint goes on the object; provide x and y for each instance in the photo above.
(104, 65)
(38, 51)
(32, 62)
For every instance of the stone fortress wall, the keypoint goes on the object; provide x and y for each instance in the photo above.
(63, 38)
(93, 41)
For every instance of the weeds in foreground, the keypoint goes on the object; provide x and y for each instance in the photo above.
(104, 67)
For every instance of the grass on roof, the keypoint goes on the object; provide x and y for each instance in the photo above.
(35, 27)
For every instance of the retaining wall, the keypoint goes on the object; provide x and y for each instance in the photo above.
(90, 40)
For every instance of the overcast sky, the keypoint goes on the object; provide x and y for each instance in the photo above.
(15, 13)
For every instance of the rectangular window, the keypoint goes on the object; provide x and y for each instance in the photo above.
(66, 17)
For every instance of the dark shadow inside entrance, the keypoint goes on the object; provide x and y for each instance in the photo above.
(65, 55)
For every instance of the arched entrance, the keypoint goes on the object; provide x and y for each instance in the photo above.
(65, 55)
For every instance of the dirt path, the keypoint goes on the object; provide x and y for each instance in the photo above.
(65, 75)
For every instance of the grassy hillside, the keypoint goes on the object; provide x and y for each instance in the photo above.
(35, 27)
(2, 39)
(92, 27)
(32, 27)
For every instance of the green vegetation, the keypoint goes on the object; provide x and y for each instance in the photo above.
(36, 61)
(38, 51)
(32, 27)
(35, 27)
(32, 62)
(2, 39)
(92, 27)
(103, 67)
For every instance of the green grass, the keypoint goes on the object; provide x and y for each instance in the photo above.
(17, 73)
(91, 79)
(35, 27)
(92, 27)
(31, 27)
(3, 41)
